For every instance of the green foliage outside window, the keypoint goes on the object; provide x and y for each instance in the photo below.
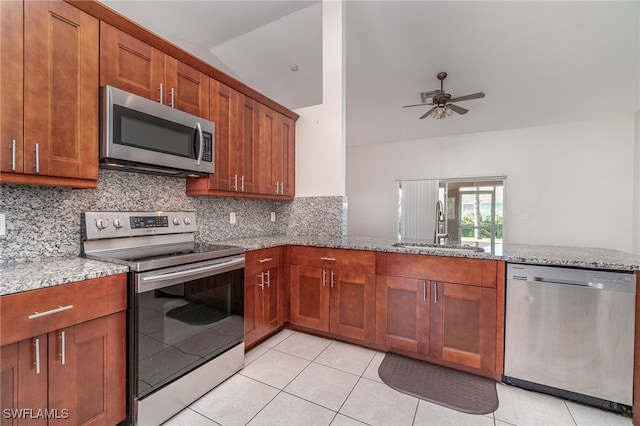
(468, 225)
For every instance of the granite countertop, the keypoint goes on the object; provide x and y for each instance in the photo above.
(579, 257)
(18, 277)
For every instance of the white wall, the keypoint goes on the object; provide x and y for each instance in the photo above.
(569, 184)
(320, 130)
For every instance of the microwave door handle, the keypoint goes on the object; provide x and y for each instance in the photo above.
(199, 159)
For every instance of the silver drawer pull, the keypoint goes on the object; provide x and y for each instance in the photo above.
(328, 258)
(266, 259)
(52, 311)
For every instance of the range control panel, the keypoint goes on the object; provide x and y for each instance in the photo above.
(99, 225)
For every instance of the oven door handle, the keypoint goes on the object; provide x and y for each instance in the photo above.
(192, 271)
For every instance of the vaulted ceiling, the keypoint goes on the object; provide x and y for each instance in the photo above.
(538, 62)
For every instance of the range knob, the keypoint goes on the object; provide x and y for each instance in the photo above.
(117, 223)
(101, 223)
(187, 221)
(176, 220)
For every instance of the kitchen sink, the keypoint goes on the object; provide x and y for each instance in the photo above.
(439, 247)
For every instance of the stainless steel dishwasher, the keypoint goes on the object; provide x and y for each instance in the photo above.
(570, 333)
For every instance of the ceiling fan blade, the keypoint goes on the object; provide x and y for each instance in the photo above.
(409, 106)
(468, 97)
(426, 114)
(457, 109)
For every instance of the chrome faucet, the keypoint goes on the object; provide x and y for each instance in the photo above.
(437, 236)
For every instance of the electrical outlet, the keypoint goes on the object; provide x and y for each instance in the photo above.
(3, 230)
(232, 218)
(273, 216)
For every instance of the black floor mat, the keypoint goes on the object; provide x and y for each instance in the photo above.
(443, 386)
(196, 314)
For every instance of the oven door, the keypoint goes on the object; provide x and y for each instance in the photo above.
(184, 317)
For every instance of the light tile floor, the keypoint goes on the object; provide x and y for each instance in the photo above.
(297, 379)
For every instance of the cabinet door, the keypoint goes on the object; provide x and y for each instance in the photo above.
(23, 384)
(129, 64)
(352, 304)
(224, 104)
(268, 134)
(187, 89)
(463, 325)
(11, 86)
(284, 155)
(87, 364)
(271, 308)
(246, 147)
(309, 297)
(252, 308)
(402, 313)
(60, 91)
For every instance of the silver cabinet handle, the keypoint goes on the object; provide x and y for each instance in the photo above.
(261, 284)
(37, 158)
(63, 349)
(13, 155)
(160, 90)
(242, 183)
(52, 311)
(199, 127)
(235, 182)
(281, 187)
(328, 258)
(268, 278)
(324, 277)
(435, 292)
(36, 345)
(277, 187)
(171, 94)
(333, 278)
(424, 291)
(266, 259)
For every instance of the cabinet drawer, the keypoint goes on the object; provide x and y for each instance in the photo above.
(345, 259)
(458, 270)
(36, 312)
(261, 260)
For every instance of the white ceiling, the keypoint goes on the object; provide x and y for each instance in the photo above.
(538, 62)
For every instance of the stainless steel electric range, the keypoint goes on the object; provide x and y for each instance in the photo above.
(186, 307)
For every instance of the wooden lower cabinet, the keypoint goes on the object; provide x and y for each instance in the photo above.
(450, 322)
(341, 302)
(74, 376)
(463, 325)
(65, 374)
(264, 293)
(402, 313)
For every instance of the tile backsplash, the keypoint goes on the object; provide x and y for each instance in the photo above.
(44, 222)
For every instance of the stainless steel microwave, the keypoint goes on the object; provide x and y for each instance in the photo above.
(137, 134)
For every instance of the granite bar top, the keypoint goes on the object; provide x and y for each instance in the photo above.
(578, 257)
(18, 277)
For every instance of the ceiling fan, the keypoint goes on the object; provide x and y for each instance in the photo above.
(441, 101)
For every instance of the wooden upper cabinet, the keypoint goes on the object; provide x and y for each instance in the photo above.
(132, 65)
(254, 148)
(49, 98)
